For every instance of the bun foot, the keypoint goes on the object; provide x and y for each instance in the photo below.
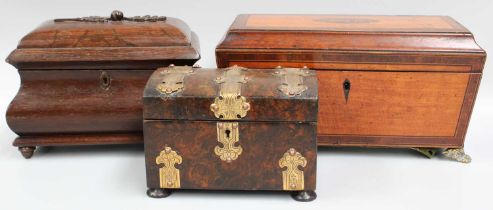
(27, 152)
(304, 196)
(158, 193)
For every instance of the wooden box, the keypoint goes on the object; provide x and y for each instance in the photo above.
(82, 79)
(385, 81)
(231, 129)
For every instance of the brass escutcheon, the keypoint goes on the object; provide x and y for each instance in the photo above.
(228, 135)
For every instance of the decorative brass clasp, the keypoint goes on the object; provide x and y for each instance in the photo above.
(292, 177)
(230, 105)
(173, 77)
(228, 134)
(169, 176)
(292, 80)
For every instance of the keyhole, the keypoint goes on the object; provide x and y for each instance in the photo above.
(347, 85)
(105, 80)
(227, 133)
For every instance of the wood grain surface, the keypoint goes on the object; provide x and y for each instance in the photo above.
(372, 23)
(413, 79)
(391, 104)
(82, 81)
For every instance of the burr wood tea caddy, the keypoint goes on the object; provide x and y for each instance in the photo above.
(231, 129)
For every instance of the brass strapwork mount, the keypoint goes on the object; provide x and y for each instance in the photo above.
(230, 104)
(292, 80)
(292, 177)
(173, 79)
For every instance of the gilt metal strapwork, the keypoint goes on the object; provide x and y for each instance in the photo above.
(230, 104)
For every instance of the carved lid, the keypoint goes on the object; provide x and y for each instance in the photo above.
(350, 33)
(107, 42)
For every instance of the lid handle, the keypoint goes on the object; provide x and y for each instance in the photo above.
(116, 15)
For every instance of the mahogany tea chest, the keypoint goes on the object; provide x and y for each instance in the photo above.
(384, 81)
(231, 129)
(82, 78)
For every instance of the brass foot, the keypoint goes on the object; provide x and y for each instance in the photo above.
(27, 152)
(428, 152)
(304, 196)
(457, 154)
(158, 193)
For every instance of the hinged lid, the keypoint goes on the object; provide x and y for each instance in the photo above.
(360, 39)
(234, 93)
(341, 32)
(115, 42)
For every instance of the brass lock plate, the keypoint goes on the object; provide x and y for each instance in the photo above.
(230, 104)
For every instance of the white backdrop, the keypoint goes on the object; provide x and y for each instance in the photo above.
(113, 177)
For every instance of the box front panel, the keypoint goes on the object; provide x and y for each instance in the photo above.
(390, 103)
(256, 167)
(78, 101)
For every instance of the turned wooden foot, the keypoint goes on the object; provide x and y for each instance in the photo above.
(158, 193)
(457, 154)
(27, 152)
(304, 196)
